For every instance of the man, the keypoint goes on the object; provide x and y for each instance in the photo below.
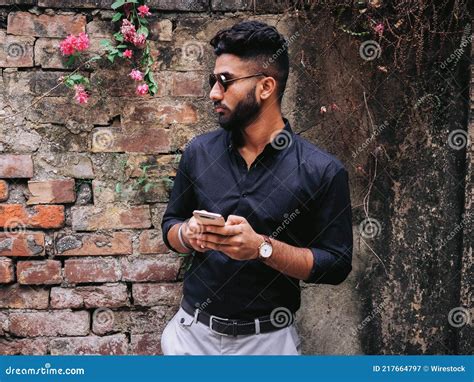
(286, 203)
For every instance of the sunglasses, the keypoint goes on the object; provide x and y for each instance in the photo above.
(224, 81)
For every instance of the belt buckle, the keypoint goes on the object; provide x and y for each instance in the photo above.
(234, 324)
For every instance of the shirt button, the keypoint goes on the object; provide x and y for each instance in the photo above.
(244, 195)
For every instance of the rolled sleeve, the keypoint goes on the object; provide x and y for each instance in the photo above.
(332, 245)
(182, 199)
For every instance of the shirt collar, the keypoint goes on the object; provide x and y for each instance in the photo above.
(279, 143)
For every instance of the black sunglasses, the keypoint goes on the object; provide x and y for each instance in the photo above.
(224, 82)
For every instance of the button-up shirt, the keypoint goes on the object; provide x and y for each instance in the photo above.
(294, 192)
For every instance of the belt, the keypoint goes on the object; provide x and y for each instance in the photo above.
(231, 327)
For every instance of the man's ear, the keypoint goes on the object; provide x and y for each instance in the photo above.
(267, 87)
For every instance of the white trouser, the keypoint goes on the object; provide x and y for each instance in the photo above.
(183, 336)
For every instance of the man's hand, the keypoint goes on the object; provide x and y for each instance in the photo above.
(236, 239)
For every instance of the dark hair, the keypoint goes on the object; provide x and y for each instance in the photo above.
(260, 43)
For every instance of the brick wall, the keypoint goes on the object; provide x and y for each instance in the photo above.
(83, 268)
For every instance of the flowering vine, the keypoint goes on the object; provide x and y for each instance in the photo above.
(131, 45)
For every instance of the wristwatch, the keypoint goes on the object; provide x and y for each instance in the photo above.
(265, 249)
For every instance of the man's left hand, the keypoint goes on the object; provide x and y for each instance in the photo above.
(236, 239)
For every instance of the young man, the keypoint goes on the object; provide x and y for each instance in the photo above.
(286, 203)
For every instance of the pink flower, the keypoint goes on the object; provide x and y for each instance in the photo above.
(81, 95)
(71, 44)
(128, 30)
(143, 11)
(128, 53)
(379, 28)
(142, 89)
(82, 42)
(139, 40)
(67, 46)
(136, 75)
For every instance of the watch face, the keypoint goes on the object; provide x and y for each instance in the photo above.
(266, 250)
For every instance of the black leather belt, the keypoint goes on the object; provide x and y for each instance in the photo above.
(231, 327)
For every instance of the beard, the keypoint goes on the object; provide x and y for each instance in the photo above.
(244, 113)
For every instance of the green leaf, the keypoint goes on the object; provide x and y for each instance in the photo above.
(118, 36)
(118, 188)
(122, 46)
(143, 30)
(69, 83)
(147, 187)
(95, 58)
(117, 17)
(76, 77)
(111, 57)
(117, 4)
(105, 43)
(70, 60)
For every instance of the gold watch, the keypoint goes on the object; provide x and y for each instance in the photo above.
(265, 249)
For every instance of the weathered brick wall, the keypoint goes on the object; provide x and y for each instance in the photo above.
(83, 268)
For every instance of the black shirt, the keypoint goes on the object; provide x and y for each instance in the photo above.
(293, 192)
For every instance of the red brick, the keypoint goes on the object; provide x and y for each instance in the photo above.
(151, 242)
(3, 191)
(17, 215)
(16, 166)
(24, 346)
(152, 320)
(188, 84)
(110, 296)
(116, 243)
(158, 112)
(51, 191)
(22, 244)
(156, 294)
(136, 139)
(6, 271)
(29, 24)
(15, 51)
(39, 272)
(91, 218)
(150, 268)
(110, 345)
(50, 324)
(75, 4)
(21, 297)
(92, 270)
(145, 344)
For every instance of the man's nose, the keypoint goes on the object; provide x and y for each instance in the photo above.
(216, 93)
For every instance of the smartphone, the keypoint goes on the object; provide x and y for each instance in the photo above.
(209, 218)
